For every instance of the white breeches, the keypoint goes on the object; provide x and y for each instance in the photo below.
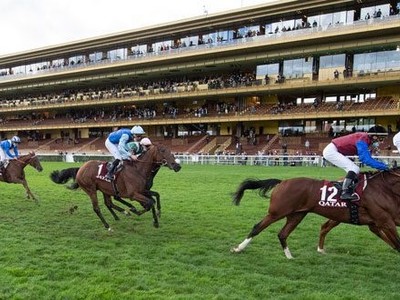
(3, 155)
(396, 141)
(332, 155)
(113, 149)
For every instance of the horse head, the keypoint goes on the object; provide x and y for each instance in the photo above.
(33, 160)
(164, 157)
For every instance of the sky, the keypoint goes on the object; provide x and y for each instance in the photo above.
(31, 24)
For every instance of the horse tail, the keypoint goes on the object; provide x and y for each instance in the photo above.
(253, 184)
(61, 177)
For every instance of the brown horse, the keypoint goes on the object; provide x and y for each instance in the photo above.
(293, 199)
(14, 172)
(131, 182)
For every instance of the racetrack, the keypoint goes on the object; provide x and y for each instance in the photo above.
(60, 250)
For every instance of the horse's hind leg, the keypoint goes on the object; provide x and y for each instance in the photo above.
(292, 221)
(268, 220)
(96, 208)
(325, 228)
(110, 206)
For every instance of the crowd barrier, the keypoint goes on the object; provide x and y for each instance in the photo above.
(252, 160)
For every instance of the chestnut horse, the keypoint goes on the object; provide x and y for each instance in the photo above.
(293, 199)
(131, 182)
(14, 172)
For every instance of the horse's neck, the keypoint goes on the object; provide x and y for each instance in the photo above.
(146, 164)
(23, 161)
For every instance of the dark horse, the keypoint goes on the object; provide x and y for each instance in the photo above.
(293, 199)
(131, 182)
(14, 172)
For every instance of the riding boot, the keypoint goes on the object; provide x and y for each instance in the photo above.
(348, 187)
(110, 173)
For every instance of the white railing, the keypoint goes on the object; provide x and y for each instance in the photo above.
(253, 160)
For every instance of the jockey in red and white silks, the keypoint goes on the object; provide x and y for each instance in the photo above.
(350, 145)
(396, 141)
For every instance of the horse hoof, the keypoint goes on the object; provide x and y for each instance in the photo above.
(156, 225)
(110, 230)
(235, 250)
(322, 251)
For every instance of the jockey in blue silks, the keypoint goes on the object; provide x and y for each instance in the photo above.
(116, 144)
(5, 149)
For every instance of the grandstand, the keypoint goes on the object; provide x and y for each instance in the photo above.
(269, 76)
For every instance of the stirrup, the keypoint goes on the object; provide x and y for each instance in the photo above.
(109, 176)
(349, 197)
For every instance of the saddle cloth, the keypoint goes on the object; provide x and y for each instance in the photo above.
(330, 192)
(103, 170)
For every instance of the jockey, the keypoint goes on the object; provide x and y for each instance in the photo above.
(136, 149)
(354, 144)
(5, 149)
(396, 141)
(116, 144)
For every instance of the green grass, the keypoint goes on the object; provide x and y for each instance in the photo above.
(48, 253)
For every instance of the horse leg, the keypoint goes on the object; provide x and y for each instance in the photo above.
(325, 228)
(156, 195)
(110, 206)
(29, 194)
(268, 220)
(96, 208)
(381, 235)
(132, 208)
(292, 221)
(147, 203)
(390, 231)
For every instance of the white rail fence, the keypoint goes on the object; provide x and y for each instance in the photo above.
(253, 160)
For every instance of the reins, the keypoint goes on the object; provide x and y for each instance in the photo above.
(25, 162)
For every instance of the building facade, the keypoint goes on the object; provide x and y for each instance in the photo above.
(285, 67)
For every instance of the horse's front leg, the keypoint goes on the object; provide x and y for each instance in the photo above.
(155, 195)
(147, 204)
(29, 194)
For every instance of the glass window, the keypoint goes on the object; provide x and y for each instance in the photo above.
(271, 70)
(332, 61)
(297, 67)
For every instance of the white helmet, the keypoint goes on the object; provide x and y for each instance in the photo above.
(145, 142)
(137, 130)
(15, 140)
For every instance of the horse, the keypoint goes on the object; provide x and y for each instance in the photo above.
(14, 171)
(63, 176)
(131, 182)
(293, 199)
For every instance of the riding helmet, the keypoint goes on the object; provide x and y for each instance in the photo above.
(377, 130)
(15, 140)
(137, 130)
(145, 142)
